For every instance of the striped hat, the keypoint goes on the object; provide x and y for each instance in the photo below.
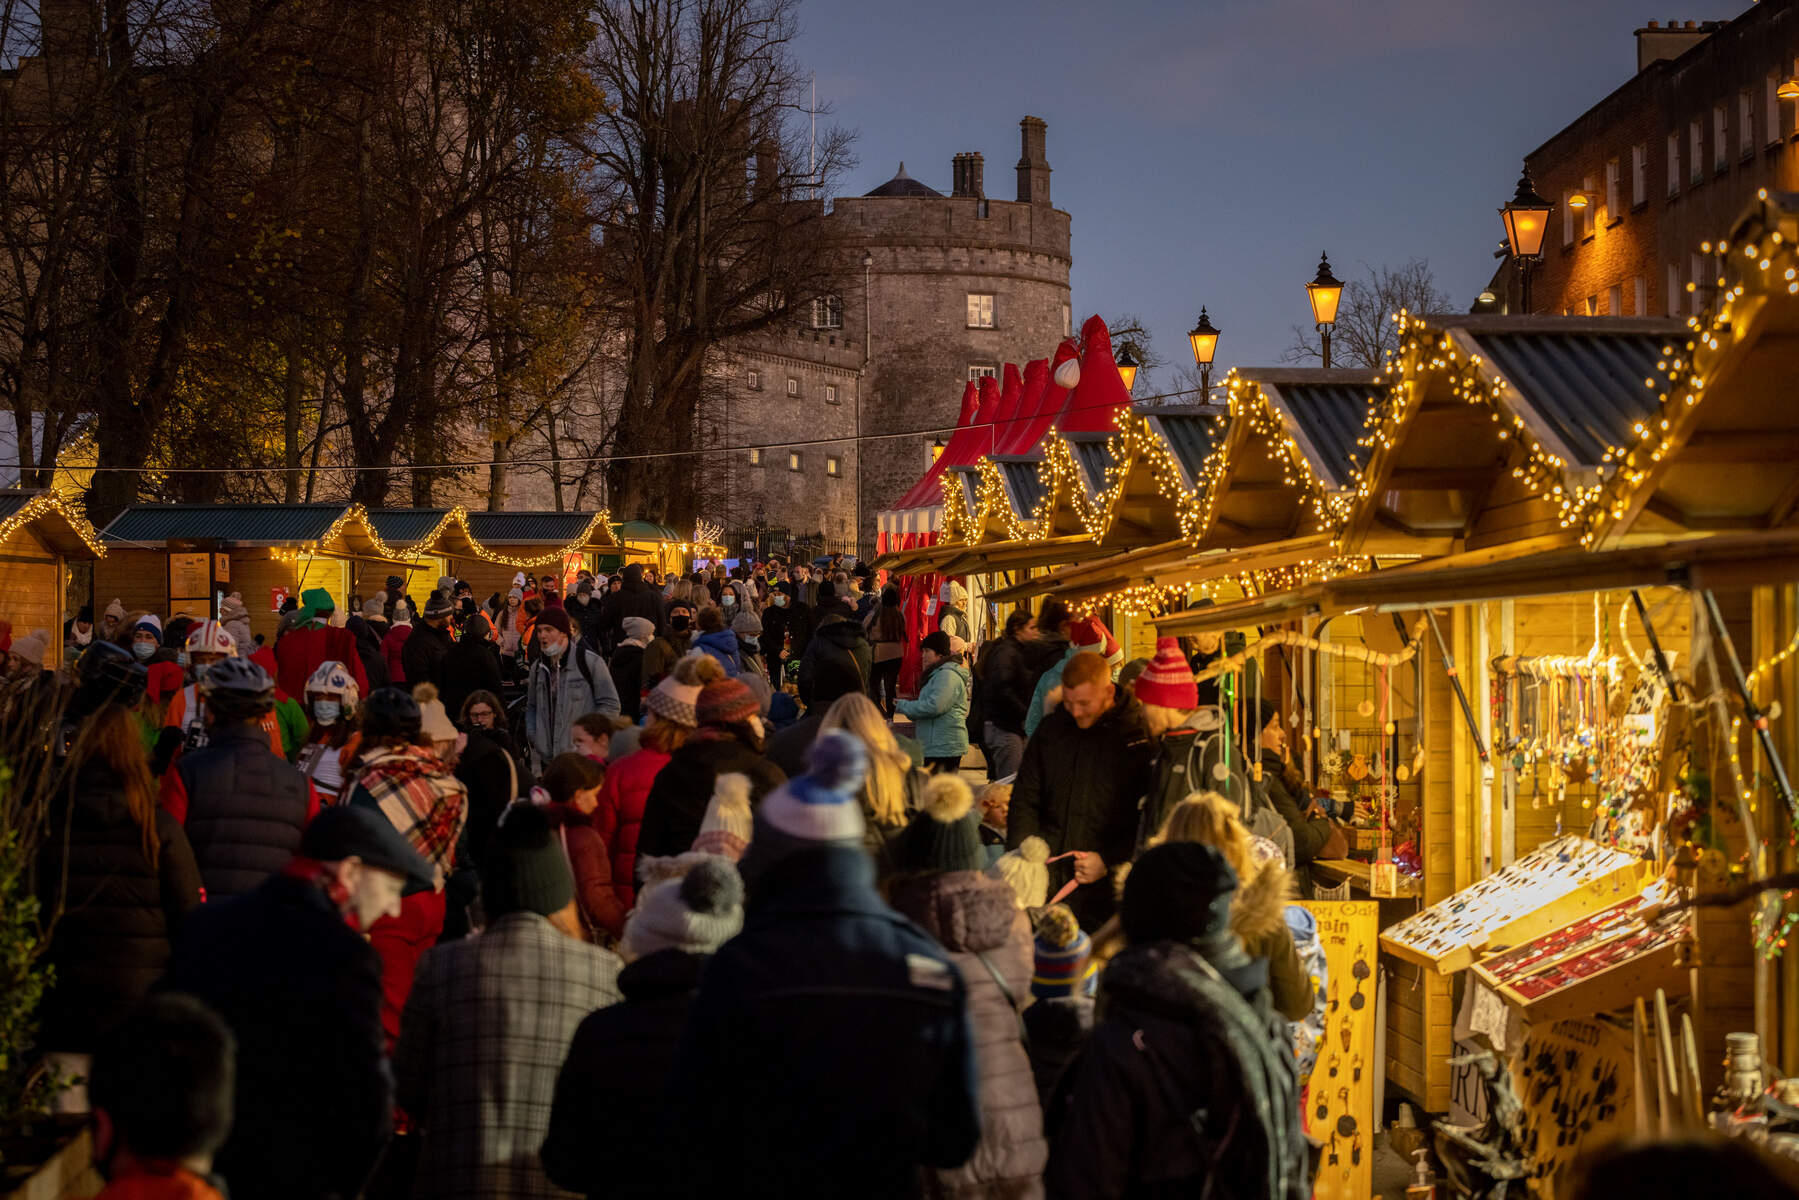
(1167, 681)
(825, 803)
(1090, 633)
(674, 701)
(1064, 965)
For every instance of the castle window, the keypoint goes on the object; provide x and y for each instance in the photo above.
(1614, 300)
(793, 387)
(793, 460)
(755, 381)
(827, 312)
(1590, 213)
(1613, 209)
(980, 310)
(975, 372)
(830, 393)
(1695, 151)
(1745, 123)
(755, 456)
(981, 209)
(833, 465)
(1640, 295)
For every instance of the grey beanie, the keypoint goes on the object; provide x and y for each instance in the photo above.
(639, 627)
(697, 913)
(747, 623)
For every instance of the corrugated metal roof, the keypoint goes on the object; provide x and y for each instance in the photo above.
(246, 524)
(641, 531)
(12, 501)
(1023, 488)
(1190, 437)
(403, 526)
(528, 528)
(1333, 417)
(1095, 457)
(1588, 387)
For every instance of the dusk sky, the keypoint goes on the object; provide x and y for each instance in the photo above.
(1209, 150)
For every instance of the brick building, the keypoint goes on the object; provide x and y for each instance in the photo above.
(936, 289)
(1664, 164)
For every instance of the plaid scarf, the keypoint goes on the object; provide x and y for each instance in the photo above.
(416, 791)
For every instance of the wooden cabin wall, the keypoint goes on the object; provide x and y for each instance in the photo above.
(138, 579)
(369, 577)
(487, 578)
(31, 589)
(1512, 512)
(255, 574)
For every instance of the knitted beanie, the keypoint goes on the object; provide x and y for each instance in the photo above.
(1064, 955)
(557, 619)
(526, 868)
(638, 628)
(697, 913)
(725, 702)
(825, 803)
(402, 613)
(375, 606)
(439, 605)
(945, 833)
(674, 702)
(1026, 871)
(32, 646)
(115, 610)
(746, 624)
(726, 829)
(1168, 681)
(1177, 891)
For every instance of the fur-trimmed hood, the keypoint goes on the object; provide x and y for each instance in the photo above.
(1259, 909)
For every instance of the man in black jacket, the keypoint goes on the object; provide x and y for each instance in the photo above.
(1083, 772)
(1006, 694)
(634, 598)
(838, 649)
(472, 665)
(287, 968)
(422, 656)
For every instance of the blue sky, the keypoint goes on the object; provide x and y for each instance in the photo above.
(1208, 150)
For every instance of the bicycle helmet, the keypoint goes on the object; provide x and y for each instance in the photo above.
(334, 679)
(237, 688)
(210, 637)
(391, 712)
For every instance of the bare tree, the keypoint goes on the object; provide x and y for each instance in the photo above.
(1365, 332)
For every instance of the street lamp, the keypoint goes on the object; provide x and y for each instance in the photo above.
(1324, 292)
(1127, 366)
(1526, 219)
(1204, 337)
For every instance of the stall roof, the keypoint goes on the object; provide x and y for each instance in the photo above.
(1324, 413)
(1108, 571)
(236, 524)
(1024, 487)
(645, 531)
(1191, 433)
(406, 526)
(60, 523)
(541, 528)
(1257, 610)
(1093, 454)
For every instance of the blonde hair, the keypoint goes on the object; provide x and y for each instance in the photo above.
(888, 765)
(1211, 820)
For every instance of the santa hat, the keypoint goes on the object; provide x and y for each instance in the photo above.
(725, 831)
(1167, 682)
(1090, 633)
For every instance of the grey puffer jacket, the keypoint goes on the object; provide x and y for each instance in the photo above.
(974, 918)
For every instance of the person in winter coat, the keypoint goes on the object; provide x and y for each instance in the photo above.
(472, 664)
(894, 788)
(288, 969)
(290, 713)
(671, 720)
(952, 615)
(746, 627)
(787, 749)
(633, 598)
(570, 793)
(584, 610)
(941, 709)
(1084, 771)
(314, 640)
(398, 778)
(1086, 635)
(368, 637)
(568, 681)
(627, 665)
(716, 640)
(121, 873)
(670, 645)
(423, 653)
(837, 649)
(490, 766)
(1186, 1084)
(1314, 836)
(886, 628)
(1061, 1011)
(393, 645)
(729, 738)
(609, 1142)
(828, 1052)
(234, 615)
(786, 626)
(1006, 688)
(972, 916)
(490, 1020)
(242, 805)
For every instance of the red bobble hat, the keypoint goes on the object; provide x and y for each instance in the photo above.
(1168, 681)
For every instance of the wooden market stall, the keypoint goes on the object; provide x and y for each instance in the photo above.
(486, 549)
(40, 535)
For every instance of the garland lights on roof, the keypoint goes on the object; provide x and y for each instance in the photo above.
(457, 516)
(68, 510)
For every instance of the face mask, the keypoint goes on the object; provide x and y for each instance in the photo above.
(181, 657)
(143, 650)
(748, 643)
(779, 599)
(728, 600)
(678, 623)
(327, 711)
(553, 649)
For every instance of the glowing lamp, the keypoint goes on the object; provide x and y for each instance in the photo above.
(1526, 220)
(1788, 89)
(1127, 367)
(1324, 292)
(1579, 201)
(1204, 337)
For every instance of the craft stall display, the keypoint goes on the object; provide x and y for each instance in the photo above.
(1340, 1094)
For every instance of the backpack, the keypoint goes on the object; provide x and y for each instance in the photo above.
(1181, 771)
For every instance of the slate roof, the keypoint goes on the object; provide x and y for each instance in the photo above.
(903, 184)
(1191, 436)
(239, 524)
(1023, 488)
(529, 528)
(403, 526)
(1332, 417)
(1094, 456)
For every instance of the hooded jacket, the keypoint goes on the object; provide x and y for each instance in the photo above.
(471, 665)
(120, 913)
(619, 818)
(721, 645)
(839, 649)
(1185, 1086)
(941, 709)
(393, 649)
(986, 934)
(300, 652)
(422, 655)
(368, 650)
(1006, 683)
(1259, 919)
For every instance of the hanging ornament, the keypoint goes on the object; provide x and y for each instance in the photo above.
(1365, 708)
(1403, 773)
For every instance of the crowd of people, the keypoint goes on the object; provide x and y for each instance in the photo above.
(691, 913)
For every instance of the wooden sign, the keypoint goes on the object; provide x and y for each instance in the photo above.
(190, 576)
(277, 597)
(1576, 1082)
(1339, 1100)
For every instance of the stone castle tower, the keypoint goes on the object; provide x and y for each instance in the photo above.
(936, 289)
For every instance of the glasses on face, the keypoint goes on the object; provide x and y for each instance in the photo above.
(480, 714)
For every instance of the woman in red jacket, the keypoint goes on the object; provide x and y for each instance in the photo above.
(570, 792)
(670, 719)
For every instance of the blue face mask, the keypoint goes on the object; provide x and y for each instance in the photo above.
(326, 712)
(729, 599)
(143, 650)
(553, 651)
(181, 657)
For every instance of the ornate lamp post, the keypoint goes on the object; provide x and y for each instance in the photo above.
(1324, 292)
(1204, 337)
(1127, 366)
(1526, 218)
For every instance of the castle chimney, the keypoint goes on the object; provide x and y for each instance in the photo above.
(976, 167)
(1668, 42)
(1033, 167)
(958, 175)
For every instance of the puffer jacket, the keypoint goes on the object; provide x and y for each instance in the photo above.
(974, 918)
(941, 709)
(721, 645)
(837, 659)
(242, 805)
(120, 913)
(558, 692)
(619, 818)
